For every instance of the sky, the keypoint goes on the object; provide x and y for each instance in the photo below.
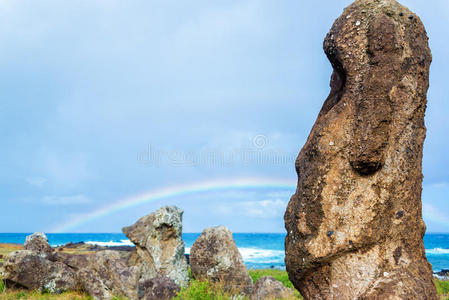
(111, 109)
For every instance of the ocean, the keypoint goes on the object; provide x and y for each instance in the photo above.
(259, 250)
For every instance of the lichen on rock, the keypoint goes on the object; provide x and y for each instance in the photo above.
(159, 245)
(214, 256)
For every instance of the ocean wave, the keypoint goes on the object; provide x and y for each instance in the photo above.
(256, 255)
(437, 251)
(111, 243)
(261, 255)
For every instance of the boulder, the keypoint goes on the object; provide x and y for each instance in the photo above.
(103, 274)
(354, 225)
(106, 275)
(159, 288)
(30, 270)
(214, 256)
(159, 245)
(268, 288)
(74, 261)
(38, 243)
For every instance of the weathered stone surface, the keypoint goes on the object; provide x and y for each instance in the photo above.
(214, 256)
(268, 288)
(354, 225)
(159, 288)
(38, 243)
(159, 245)
(106, 274)
(29, 269)
(74, 261)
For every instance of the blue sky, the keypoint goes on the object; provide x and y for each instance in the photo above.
(103, 100)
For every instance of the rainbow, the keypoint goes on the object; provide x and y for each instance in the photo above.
(176, 191)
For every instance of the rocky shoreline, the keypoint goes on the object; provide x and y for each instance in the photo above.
(154, 268)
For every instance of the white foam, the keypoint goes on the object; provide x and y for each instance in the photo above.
(111, 243)
(437, 251)
(255, 255)
(261, 255)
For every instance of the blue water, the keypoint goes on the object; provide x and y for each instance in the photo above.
(259, 250)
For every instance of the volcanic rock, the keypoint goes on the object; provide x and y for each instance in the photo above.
(38, 243)
(106, 275)
(29, 269)
(159, 288)
(268, 288)
(159, 245)
(443, 273)
(354, 225)
(214, 256)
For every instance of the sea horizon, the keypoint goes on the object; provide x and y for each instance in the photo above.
(259, 250)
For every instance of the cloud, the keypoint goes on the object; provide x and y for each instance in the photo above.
(264, 209)
(86, 85)
(434, 214)
(66, 200)
(439, 185)
(36, 181)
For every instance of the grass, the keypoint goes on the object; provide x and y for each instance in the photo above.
(442, 288)
(7, 248)
(204, 290)
(280, 275)
(197, 290)
(34, 295)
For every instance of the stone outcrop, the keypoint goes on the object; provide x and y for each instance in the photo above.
(159, 288)
(354, 225)
(268, 288)
(28, 269)
(103, 274)
(159, 245)
(153, 270)
(38, 243)
(106, 275)
(214, 256)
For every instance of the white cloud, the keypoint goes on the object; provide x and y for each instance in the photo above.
(36, 181)
(264, 209)
(66, 200)
(439, 185)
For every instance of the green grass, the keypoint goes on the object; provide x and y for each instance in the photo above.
(204, 290)
(35, 295)
(197, 290)
(280, 275)
(442, 288)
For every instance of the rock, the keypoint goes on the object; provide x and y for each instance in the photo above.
(38, 242)
(159, 288)
(103, 274)
(268, 288)
(214, 256)
(29, 269)
(354, 225)
(106, 275)
(444, 273)
(71, 245)
(159, 245)
(74, 261)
